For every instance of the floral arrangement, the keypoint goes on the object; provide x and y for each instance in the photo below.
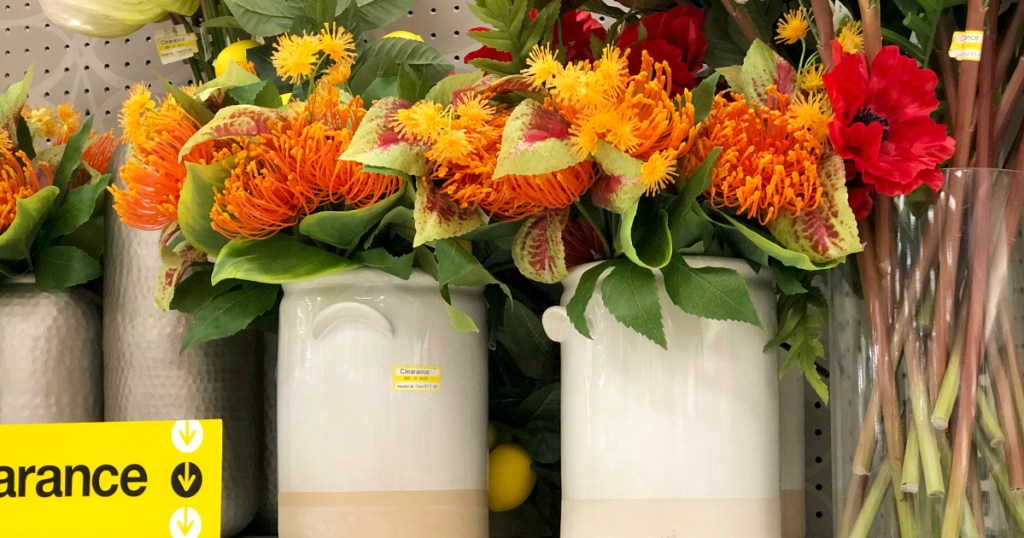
(52, 180)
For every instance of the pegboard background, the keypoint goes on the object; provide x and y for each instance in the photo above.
(93, 74)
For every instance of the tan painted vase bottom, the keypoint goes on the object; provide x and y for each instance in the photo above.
(384, 514)
(671, 518)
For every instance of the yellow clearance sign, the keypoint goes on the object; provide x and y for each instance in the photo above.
(111, 480)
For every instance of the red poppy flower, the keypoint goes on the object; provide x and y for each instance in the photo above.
(883, 121)
(675, 36)
(578, 26)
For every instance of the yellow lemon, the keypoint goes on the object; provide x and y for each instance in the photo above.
(234, 52)
(511, 479)
(402, 34)
(492, 435)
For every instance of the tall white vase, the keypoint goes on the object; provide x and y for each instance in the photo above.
(382, 410)
(678, 443)
(51, 364)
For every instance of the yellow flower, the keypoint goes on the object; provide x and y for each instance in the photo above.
(475, 110)
(338, 44)
(812, 113)
(851, 37)
(659, 170)
(41, 120)
(542, 66)
(295, 57)
(450, 146)
(139, 102)
(571, 83)
(69, 120)
(336, 74)
(792, 27)
(426, 121)
(810, 78)
(5, 140)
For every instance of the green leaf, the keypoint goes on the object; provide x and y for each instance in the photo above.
(16, 241)
(278, 259)
(90, 236)
(788, 279)
(460, 321)
(522, 333)
(442, 91)
(24, 137)
(700, 179)
(375, 14)
(772, 249)
(381, 88)
(262, 94)
(382, 260)
(802, 321)
(630, 293)
(60, 267)
(756, 74)
(543, 404)
(196, 202)
(704, 97)
(321, 11)
(344, 229)
(12, 100)
(576, 308)
(399, 221)
(709, 292)
(229, 313)
(196, 291)
(644, 236)
(226, 21)
(235, 76)
(194, 107)
(77, 208)
(410, 84)
(264, 18)
(384, 55)
(457, 267)
(71, 159)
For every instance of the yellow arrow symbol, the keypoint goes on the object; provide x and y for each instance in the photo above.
(188, 478)
(185, 526)
(188, 434)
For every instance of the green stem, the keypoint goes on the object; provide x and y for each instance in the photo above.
(1014, 503)
(911, 480)
(935, 485)
(950, 384)
(872, 503)
(988, 420)
(968, 529)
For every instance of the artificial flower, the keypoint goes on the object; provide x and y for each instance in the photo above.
(675, 37)
(99, 152)
(485, 52)
(883, 121)
(793, 27)
(810, 77)
(338, 45)
(583, 243)
(768, 163)
(851, 37)
(18, 180)
(295, 56)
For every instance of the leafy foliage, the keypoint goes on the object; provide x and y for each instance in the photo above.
(802, 319)
(513, 30)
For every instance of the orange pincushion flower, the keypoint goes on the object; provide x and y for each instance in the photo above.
(768, 162)
(18, 180)
(281, 176)
(153, 175)
(99, 152)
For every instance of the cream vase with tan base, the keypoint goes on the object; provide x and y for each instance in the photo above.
(382, 410)
(680, 443)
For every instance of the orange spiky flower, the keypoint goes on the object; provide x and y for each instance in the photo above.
(153, 175)
(636, 114)
(283, 175)
(18, 180)
(768, 163)
(464, 142)
(99, 152)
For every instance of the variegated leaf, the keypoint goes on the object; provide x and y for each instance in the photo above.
(758, 71)
(176, 256)
(539, 250)
(438, 217)
(11, 102)
(535, 141)
(829, 232)
(377, 144)
(234, 121)
(620, 186)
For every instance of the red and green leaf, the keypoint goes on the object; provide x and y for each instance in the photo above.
(438, 217)
(539, 250)
(535, 141)
(376, 143)
(620, 186)
(232, 122)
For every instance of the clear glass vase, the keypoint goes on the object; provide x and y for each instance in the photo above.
(925, 347)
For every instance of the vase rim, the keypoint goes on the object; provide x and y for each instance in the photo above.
(371, 276)
(981, 168)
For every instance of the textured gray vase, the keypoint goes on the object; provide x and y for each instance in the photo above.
(147, 379)
(266, 518)
(51, 367)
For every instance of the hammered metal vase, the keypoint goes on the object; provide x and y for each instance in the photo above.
(51, 367)
(147, 379)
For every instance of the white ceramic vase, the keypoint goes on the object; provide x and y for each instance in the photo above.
(382, 410)
(51, 362)
(669, 444)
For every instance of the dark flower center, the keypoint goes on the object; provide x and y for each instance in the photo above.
(867, 116)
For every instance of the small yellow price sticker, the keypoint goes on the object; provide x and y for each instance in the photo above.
(417, 379)
(178, 44)
(966, 45)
